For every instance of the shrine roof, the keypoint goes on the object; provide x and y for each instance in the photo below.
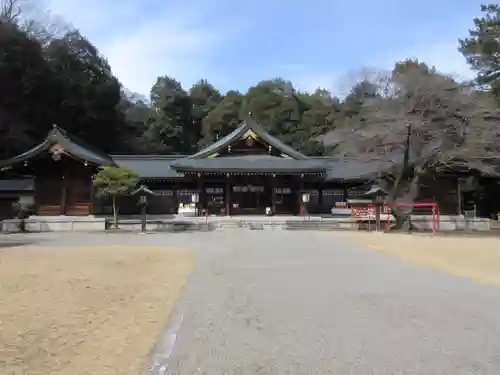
(250, 163)
(249, 125)
(58, 140)
(149, 166)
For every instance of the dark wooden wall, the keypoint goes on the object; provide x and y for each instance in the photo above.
(63, 187)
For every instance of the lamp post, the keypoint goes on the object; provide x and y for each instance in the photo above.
(377, 194)
(306, 197)
(143, 201)
(143, 193)
(195, 198)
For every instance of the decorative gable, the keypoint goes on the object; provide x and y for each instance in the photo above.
(249, 139)
(56, 151)
(250, 134)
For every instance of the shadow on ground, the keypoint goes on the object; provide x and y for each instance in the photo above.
(6, 244)
(456, 233)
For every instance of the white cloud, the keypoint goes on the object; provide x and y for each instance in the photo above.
(307, 78)
(316, 80)
(141, 42)
(443, 55)
(138, 57)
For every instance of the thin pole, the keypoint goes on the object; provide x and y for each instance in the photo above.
(143, 218)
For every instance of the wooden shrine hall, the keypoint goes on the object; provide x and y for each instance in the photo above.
(244, 172)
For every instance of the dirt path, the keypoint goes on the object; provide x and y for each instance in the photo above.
(85, 310)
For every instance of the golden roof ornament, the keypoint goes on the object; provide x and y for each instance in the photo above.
(56, 151)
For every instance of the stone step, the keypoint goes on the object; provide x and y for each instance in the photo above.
(259, 224)
(319, 225)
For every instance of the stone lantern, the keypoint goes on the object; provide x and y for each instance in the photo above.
(143, 192)
(377, 195)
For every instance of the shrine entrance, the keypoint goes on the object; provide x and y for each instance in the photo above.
(250, 195)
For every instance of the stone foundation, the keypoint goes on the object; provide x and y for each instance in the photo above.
(452, 222)
(56, 224)
(91, 223)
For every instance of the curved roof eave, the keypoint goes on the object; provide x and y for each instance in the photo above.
(38, 149)
(221, 143)
(71, 147)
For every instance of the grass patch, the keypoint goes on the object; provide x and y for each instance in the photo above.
(475, 258)
(85, 310)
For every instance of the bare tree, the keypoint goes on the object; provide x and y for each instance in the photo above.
(423, 122)
(10, 10)
(45, 26)
(35, 19)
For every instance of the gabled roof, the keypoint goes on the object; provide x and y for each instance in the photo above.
(250, 163)
(249, 125)
(149, 166)
(68, 144)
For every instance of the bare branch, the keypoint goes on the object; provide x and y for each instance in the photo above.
(10, 10)
(451, 124)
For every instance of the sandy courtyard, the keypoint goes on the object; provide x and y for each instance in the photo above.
(260, 302)
(473, 257)
(85, 310)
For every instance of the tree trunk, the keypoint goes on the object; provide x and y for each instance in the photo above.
(21, 215)
(403, 220)
(22, 225)
(115, 213)
(402, 215)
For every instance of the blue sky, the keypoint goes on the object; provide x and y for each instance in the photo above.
(314, 43)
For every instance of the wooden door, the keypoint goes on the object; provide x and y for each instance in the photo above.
(78, 193)
(78, 197)
(48, 190)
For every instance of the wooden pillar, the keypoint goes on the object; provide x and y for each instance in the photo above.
(346, 193)
(273, 194)
(91, 198)
(64, 188)
(459, 197)
(320, 199)
(227, 197)
(175, 197)
(378, 209)
(299, 193)
(201, 195)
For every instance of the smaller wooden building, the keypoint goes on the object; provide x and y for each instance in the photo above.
(62, 167)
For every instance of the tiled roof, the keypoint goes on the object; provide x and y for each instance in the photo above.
(250, 163)
(149, 166)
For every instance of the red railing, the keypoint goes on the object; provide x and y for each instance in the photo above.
(436, 214)
(368, 212)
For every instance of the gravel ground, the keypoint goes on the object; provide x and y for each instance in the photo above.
(277, 302)
(299, 303)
